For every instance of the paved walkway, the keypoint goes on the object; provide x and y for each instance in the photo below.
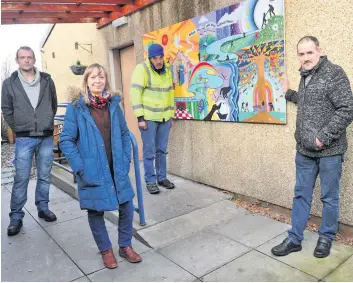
(193, 233)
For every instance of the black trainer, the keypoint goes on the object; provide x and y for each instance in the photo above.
(166, 184)
(286, 247)
(323, 247)
(47, 215)
(152, 188)
(14, 227)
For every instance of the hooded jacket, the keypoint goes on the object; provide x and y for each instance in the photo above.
(18, 111)
(83, 145)
(325, 110)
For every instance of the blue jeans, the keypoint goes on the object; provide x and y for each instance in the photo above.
(307, 170)
(99, 231)
(26, 147)
(155, 143)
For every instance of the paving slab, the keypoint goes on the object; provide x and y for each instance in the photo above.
(64, 211)
(186, 197)
(34, 256)
(202, 252)
(28, 222)
(305, 260)
(75, 238)
(82, 279)
(251, 230)
(176, 228)
(153, 268)
(344, 273)
(257, 267)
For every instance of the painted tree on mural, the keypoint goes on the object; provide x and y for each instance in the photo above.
(252, 62)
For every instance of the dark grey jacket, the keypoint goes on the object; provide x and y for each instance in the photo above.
(18, 111)
(325, 110)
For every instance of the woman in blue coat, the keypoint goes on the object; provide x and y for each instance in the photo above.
(96, 141)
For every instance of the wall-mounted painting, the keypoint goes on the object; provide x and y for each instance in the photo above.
(228, 65)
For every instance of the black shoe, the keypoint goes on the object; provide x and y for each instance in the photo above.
(323, 247)
(152, 188)
(286, 247)
(47, 215)
(166, 184)
(14, 227)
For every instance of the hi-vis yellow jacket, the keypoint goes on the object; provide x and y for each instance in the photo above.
(152, 95)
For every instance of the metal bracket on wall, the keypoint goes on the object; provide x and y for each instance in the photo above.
(80, 44)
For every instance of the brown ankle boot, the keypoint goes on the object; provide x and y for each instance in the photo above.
(109, 259)
(130, 254)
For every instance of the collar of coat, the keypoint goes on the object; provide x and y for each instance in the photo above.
(79, 100)
(43, 75)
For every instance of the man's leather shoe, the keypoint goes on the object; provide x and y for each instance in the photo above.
(14, 227)
(130, 254)
(109, 259)
(166, 184)
(152, 188)
(286, 247)
(47, 215)
(323, 247)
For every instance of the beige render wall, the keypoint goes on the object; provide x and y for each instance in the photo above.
(251, 159)
(62, 41)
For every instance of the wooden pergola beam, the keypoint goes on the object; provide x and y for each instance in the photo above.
(125, 10)
(48, 21)
(6, 7)
(115, 2)
(63, 15)
(69, 11)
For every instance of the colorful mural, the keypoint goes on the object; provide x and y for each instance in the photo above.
(228, 65)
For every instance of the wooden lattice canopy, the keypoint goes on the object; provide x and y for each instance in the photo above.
(102, 12)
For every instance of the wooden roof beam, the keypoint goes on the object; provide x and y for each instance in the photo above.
(47, 21)
(38, 15)
(6, 7)
(114, 2)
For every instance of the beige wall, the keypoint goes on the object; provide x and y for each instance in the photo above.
(62, 42)
(250, 159)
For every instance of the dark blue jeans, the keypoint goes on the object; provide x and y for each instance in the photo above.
(100, 233)
(155, 143)
(26, 148)
(307, 170)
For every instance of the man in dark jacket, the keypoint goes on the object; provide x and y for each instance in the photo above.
(29, 105)
(325, 109)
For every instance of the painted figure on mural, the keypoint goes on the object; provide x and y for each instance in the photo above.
(321, 140)
(181, 73)
(271, 10)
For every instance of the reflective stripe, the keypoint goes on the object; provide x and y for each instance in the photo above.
(138, 106)
(158, 109)
(137, 86)
(160, 89)
(151, 108)
(148, 74)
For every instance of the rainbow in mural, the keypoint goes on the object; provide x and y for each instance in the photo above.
(228, 65)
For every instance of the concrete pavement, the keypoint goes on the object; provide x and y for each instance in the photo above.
(193, 233)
